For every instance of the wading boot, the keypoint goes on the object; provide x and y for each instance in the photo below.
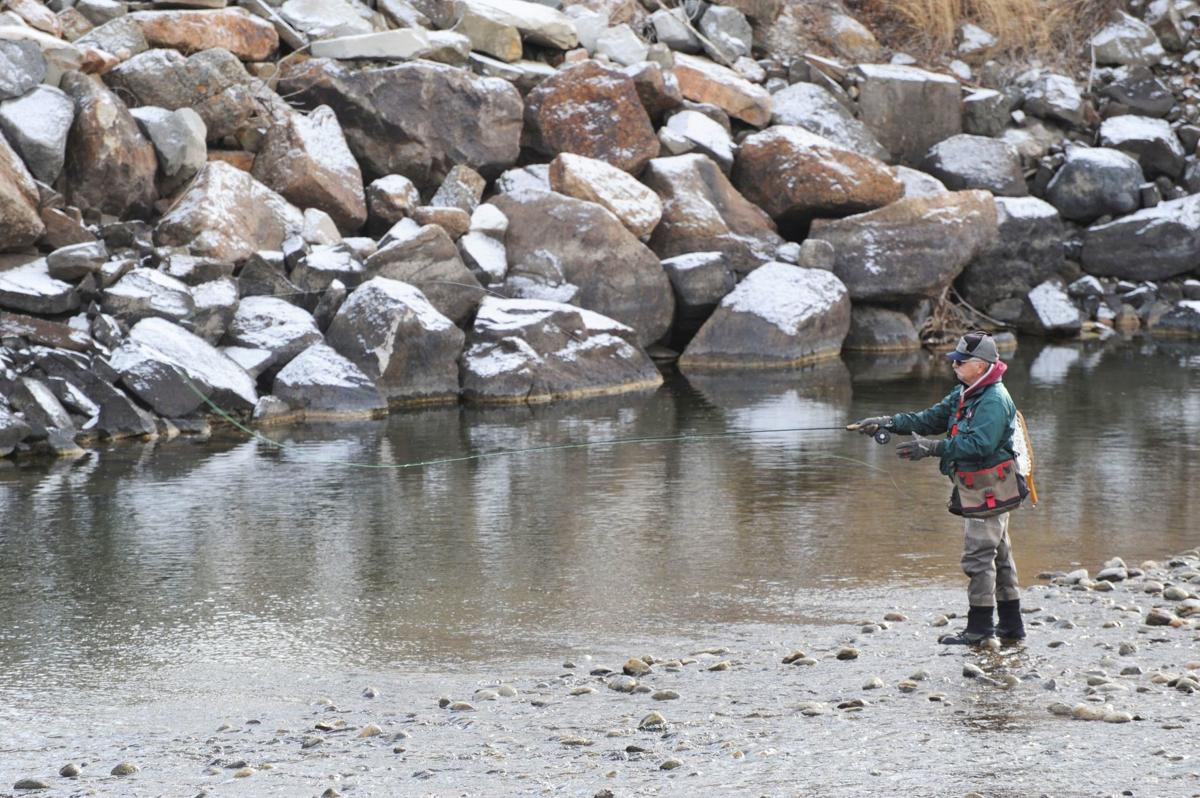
(1010, 628)
(979, 628)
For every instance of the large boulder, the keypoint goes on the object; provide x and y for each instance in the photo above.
(272, 325)
(395, 336)
(702, 81)
(912, 249)
(227, 215)
(1126, 40)
(692, 131)
(877, 329)
(813, 108)
(793, 174)
(418, 119)
(1028, 251)
(563, 249)
(964, 161)
(529, 351)
(1151, 141)
(427, 258)
(1049, 311)
(1183, 320)
(30, 288)
(703, 212)
(179, 142)
(37, 125)
(780, 316)
(13, 430)
(305, 158)
(538, 23)
(700, 281)
(213, 83)
(1094, 182)
(561, 114)
(321, 384)
(638, 208)
(145, 293)
(1138, 89)
(232, 388)
(189, 31)
(908, 109)
(1047, 95)
(22, 66)
(157, 381)
(1153, 244)
(20, 222)
(110, 165)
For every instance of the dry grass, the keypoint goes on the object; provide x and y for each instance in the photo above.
(1052, 31)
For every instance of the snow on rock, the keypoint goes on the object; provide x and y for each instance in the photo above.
(1095, 181)
(157, 381)
(1153, 244)
(143, 293)
(1049, 311)
(813, 108)
(270, 323)
(1125, 41)
(1150, 140)
(232, 388)
(689, 131)
(390, 331)
(31, 289)
(1182, 320)
(637, 207)
(702, 81)
(320, 384)
(779, 316)
(525, 350)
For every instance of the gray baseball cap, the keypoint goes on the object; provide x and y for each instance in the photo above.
(975, 344)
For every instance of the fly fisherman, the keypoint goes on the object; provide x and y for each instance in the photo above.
(977, 454)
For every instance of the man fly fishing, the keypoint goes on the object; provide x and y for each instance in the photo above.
(978, 454)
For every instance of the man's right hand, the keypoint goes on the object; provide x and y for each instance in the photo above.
(869, 426)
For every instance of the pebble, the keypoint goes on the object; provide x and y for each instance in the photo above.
(813, 708)
(874, 683)
(670, 764)
(576, 742)
(723, 665)
(125, 769)
(507, 691)
(461, 706)
(622, 684)
(312, 741)
(69, 771)
(907, 686)
(920, 675)
(852, 704)
(370, 692)
(972, 671)
(1150, 586)
(635, 667)
(847, 653)
(1061, 709)
(244, 773)
(1132, 670)
(895, 617)
(653, 722)
(1159, 617)
(941, 620)
(331, 793)
(1175, 593)
(1088, 712)
(486, 695)
(795, 655)
(584, 690)
(665, 695)
(31, 784)
(370, 730)
(643, 689)
(1117, 717)
(1127, 649)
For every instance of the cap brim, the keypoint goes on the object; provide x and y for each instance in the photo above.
(959, 356)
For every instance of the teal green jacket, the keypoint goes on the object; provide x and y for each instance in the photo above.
(984, 433)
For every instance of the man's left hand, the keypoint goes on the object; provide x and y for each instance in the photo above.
(919, 447)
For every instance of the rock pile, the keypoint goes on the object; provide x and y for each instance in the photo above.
(287, 209)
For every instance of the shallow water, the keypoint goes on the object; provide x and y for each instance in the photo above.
(167, 583)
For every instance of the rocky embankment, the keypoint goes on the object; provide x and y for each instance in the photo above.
(307, 210)
(1109, 673)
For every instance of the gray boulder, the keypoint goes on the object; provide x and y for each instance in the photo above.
(146, 293)
(908, 109)
(671, 28)
(700, 281)
(22, 66)
(1049, 311)
(232, 388)
(215, 303)
(1182, 320)
(418, 119)
(1050, 96)
(327, 19)
(692, 131)
(1138, 89)
(1126, 40)
(779, 316)
(1094, 182)
(13, 430)
(37, 125)
(965, 161)
(532, 351)
(321, 384)
(621, 45)
(811, 107)
(30, 288)
(919, 184)
(1153, 244)
(157, 381)
(1028, 251)
(390, 331)
(119, 36)
(727, 34)
(324, 264)
(1151, 141)
(985, 113)
(179, 140)
(76, 261)
(567, 250)
(912, 249)
(877, 329)
(273, 325)
(534, 176)
(428, 259)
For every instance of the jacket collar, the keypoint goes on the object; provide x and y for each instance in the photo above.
(989, 377)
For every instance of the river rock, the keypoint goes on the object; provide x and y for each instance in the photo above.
(560, 116)
(535, 177)
(1027, 251)
(306, 159)
(272, 325)
(692, 131)
(813, 108)
(657, 87)
(1153, 244)
(145, 293)
(391, 198)
(232, 388)
(793, 175)
(1138, 89)
(213, 83)
(524, 350)
(702, 81)
(428, 259)
(1094, 182)
(20, 222)
(418, 119)
(325, 264)
(395, 336)
(1050, 96)
(1050, 311)
(48, 420)
(1151, 141)
(157, 381)
(700, 281)
(877, 329)
(538, 23)
(919, 184)
(985, 113)
(227, 215)
(36, 125)
(965, 161)
(215, 302)
(22, 67)
(635, 205)
(778, 316)
(179, 140)
(189, 31)
(110, 165)
(908, 109)
(1126, 40)
(13, 430)
(320, 383)
(703, 212)
(911, 249)
(76, 261)
(461, 190)
(563, 249)
(31, 289)
(727, 34)
(1182, 320)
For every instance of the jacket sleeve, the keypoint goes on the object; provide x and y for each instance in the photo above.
(983, 435)
(932, 421)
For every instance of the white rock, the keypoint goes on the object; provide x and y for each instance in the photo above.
(974, 39)
(706, 134)
(233, 388)
(622, 45)
(638, 207)
(393, 45)
(538, 23)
